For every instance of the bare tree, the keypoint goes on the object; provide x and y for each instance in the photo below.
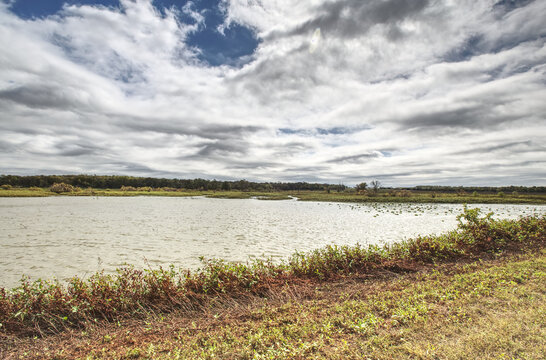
(376, 185)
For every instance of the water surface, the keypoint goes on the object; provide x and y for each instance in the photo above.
(65, 236)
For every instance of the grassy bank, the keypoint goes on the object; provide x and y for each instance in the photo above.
(484, 310)
(487, 309)
(383, 196)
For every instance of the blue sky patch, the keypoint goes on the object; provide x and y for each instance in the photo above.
(471, 47)
(217, 48)
(510, 5)
(214, 48)
(335, 131)
(338, 130)
(28, 9)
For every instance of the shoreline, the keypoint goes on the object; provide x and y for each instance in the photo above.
(44, 307)
(382, 197)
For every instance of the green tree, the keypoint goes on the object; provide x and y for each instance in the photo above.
(361, 187)
(226, 186)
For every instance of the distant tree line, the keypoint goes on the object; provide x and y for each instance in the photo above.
(116, 182)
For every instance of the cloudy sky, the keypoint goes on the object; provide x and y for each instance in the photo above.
(404, 91)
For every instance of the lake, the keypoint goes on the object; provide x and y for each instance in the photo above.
(65, 236)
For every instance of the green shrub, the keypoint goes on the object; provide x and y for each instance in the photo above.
(61, 188)
(429, 249)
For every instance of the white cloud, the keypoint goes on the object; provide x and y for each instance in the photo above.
(411, 92)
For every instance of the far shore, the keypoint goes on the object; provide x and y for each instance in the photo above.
(383, 195)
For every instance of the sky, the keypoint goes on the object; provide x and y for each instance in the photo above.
(406, 92)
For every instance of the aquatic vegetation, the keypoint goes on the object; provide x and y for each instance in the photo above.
(43, 307)
(414, 197)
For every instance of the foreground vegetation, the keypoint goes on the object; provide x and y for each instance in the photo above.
(477, 292)
(484, 310)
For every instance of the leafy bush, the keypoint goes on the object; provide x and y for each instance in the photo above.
(432, 248)
(61, 187)
(6, 187)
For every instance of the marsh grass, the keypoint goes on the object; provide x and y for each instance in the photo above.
(424, 197)
(26, 192)
(128, 191)
(403, 196)
(44, 307)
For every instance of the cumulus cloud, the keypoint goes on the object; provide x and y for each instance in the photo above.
(407, 92)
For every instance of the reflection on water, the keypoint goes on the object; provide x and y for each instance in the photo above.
(65, 236)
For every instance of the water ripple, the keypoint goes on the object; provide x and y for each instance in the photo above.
(65, 236)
